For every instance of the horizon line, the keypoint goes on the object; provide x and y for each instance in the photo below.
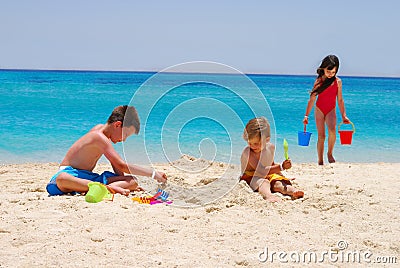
(147, 71)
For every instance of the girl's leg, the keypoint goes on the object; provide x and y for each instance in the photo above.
(320, 123)
(287, 189)
(330, 120)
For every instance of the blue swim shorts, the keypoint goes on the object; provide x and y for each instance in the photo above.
(52, 188)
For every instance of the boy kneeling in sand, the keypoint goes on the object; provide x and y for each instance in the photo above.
(257, 162)
(76, 169)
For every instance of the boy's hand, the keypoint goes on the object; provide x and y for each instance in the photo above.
(287, 164)
(160, 177)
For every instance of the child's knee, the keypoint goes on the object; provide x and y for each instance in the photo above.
(264, 187)
(62, 179)
(277, 186)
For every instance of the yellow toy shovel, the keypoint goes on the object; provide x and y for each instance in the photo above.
(286, 149)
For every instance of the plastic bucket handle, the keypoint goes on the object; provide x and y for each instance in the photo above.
(354, 129)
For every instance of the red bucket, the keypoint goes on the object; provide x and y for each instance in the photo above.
(346, 136)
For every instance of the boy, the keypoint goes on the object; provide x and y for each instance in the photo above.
(76, 169)
(257, 162)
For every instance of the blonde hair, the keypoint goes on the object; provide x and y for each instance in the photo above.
(257, 127)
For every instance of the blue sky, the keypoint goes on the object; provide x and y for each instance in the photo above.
(275, 37)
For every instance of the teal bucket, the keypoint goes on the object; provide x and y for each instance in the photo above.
(304, 137)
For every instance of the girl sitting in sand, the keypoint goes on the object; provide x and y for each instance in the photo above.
(259, 170)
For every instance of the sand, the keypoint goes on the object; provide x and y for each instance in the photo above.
(347, 208)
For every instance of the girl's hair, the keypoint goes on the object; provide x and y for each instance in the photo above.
(329, 62)
(257, 127)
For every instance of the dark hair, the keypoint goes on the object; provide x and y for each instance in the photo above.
(329, 62)
(257, 127)
(127, 115)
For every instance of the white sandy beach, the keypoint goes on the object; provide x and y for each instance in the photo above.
(355, 205)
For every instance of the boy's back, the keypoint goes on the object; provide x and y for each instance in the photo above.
(86, 151)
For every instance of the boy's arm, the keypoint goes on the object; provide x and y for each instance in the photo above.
(121, 166)
(244, 159)
(247, 160)
(268, 157)
(264, 171)
(275, 168)
(116, 171)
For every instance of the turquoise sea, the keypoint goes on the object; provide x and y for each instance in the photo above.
(43, 112)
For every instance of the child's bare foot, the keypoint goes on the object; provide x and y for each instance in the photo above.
(320, 162)
(331, 159)
(138, 189)
(297, 194)
(118, 190)
(272, 198)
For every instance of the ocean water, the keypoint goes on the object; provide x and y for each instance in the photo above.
(43, 112)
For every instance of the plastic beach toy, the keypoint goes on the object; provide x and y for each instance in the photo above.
(160, 197)
(286, 149)
(163, 194)
(346, 135)
(304, 137)
(143, 200)
(97, 192)
(146, 199)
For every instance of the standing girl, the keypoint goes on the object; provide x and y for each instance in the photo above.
(327, 88)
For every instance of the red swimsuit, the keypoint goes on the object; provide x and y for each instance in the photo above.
(326, 101)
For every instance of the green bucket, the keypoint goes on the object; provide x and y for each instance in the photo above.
(97, 192)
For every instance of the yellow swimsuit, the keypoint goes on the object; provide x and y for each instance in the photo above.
(248, 175)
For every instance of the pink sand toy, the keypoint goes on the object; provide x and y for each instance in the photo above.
(155, 199)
